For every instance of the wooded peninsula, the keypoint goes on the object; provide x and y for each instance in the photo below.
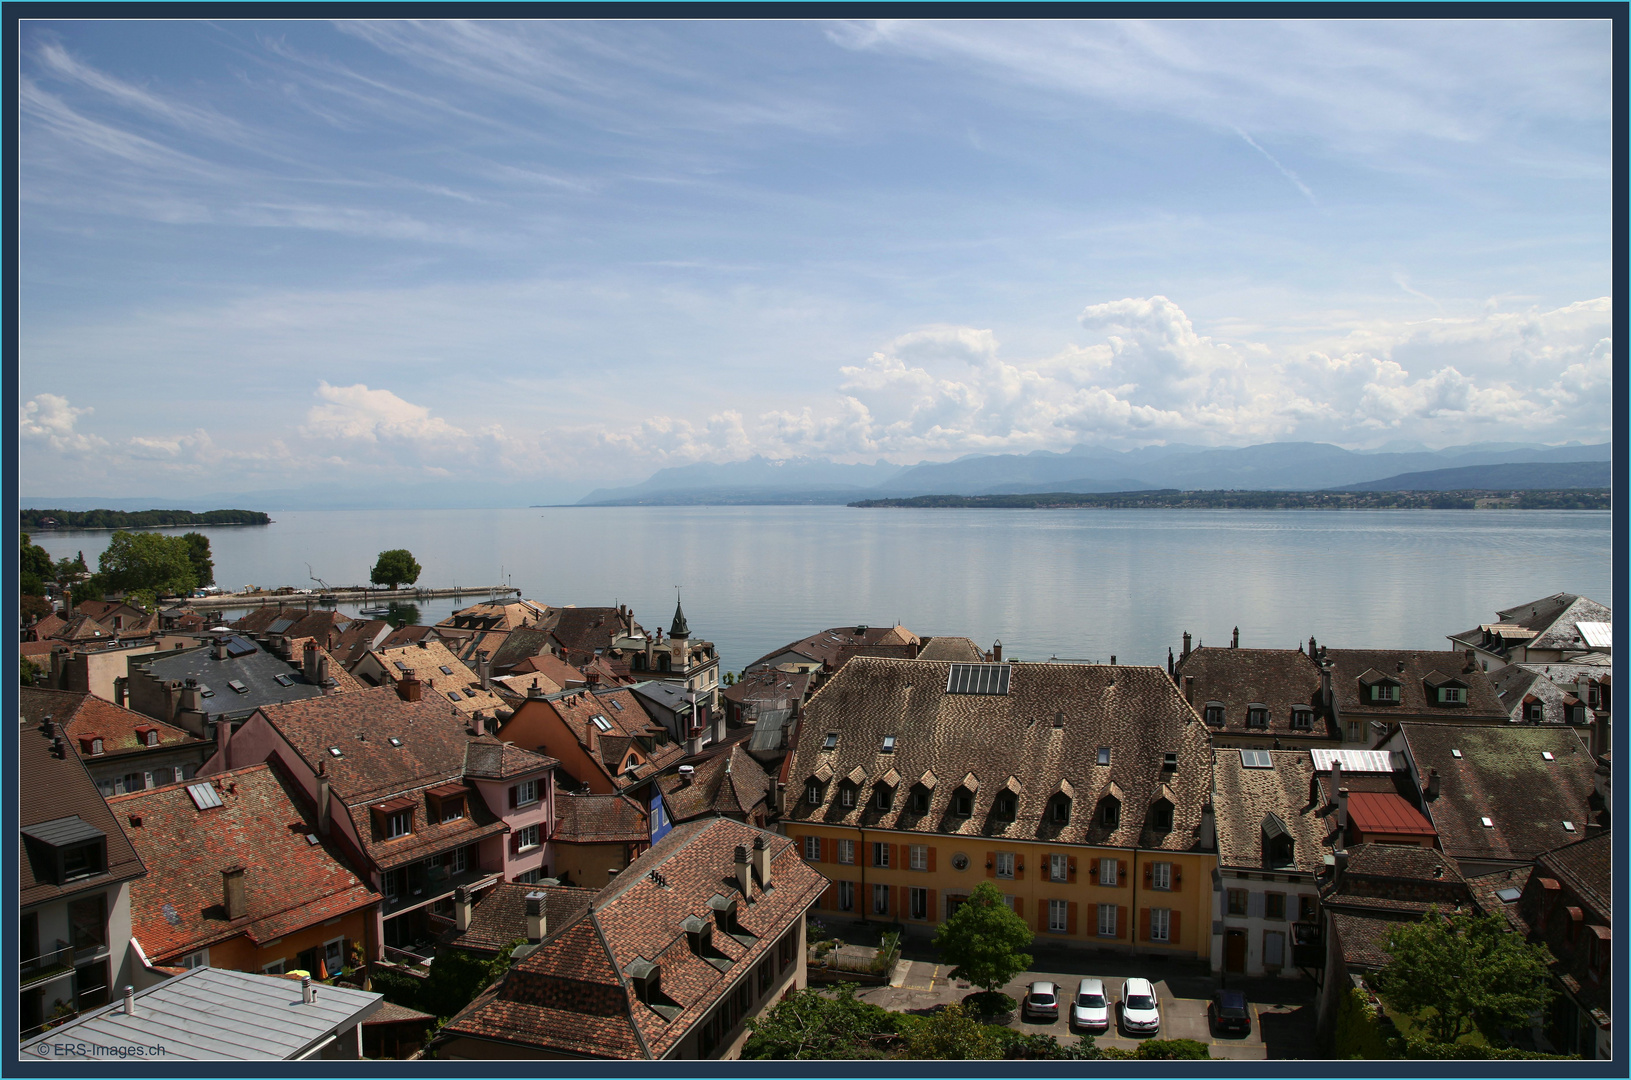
(39, 520)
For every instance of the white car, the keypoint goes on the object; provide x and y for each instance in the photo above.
(1140, 1010)
(1090, 1010)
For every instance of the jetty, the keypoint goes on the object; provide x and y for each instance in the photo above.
(358, 595)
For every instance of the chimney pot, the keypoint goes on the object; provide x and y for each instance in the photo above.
(1234, 642)
(307, 994)
(130, 1000)
(1186, 645)
(996, 652)
(234, 893)
(761, 861)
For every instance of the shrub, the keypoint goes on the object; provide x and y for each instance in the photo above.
(990, 1004)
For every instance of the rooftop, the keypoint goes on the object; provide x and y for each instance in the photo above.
(55, 789)
(1246, 798)
(121, 730)
(1279, 682)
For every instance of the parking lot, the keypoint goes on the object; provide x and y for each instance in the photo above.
(1282, 1010)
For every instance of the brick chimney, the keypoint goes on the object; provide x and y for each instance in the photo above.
(409, 688)
(1432, 784)
(484, 669)
(535, 691)
(1234, 642)
(996, 652)
(462, 907)
(761, 861)
(1189, 689)
(537, 921)
(744, 873)
(1185, 654)
(233, 893)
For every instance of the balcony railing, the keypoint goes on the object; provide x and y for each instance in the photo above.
(49, 965)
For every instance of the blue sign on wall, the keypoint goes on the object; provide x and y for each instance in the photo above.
(659, 815)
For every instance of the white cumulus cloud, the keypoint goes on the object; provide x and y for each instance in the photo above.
(50, 419)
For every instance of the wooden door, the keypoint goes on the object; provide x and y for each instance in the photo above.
(1234, 952)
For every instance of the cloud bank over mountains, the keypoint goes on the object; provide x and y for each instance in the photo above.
(1142, 375)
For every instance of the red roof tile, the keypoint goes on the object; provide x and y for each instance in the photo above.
(1385, 812)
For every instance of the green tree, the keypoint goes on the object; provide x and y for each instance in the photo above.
(198, 550)
(28, 669)
(1453, 973)
(395, 567)
(983, 941)
(951, 1034)
(145, 566)
(34, 568)
(809, 1024)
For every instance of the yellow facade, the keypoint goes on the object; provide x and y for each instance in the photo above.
(1154, 891)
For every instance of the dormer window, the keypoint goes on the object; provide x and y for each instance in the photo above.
(1169, 761)
(147, 736)
(884, 798)
(1302, 719)
(91, 745)
(1059, 810)
(962, 803)
(1161, 816)
(1257, 716)
(1534, 712)
(812, 792)
(846, 795)
(1452, 695)
(1385, 692)
(1004, 807)
(1110, 813)
(920, 801)
(1214, 713)
(398, 824)
(1278, 847)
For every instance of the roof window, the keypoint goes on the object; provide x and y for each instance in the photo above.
(400, 666)
(394, 741)
(830, 742)
(204, 796)
(1104, 755)
(446, 670)
(334, 751)
(978, 679)
(1568, 826)
(453, 695)
(1256, 759)
(1169, 761)
(238, 686)
(601, 722)
(1508, 895)
(283, 680)
(1455, 754)
(1486, 822)
(889, 744)
(1546, 755)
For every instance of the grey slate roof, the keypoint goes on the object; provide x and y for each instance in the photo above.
(257, 671)
(215, 1014)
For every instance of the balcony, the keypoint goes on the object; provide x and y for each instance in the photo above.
(48, 966)
(1307, 945)
(428, 886)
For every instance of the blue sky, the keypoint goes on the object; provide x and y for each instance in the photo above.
(545, 257)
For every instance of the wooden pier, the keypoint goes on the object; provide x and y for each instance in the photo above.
(315, 598)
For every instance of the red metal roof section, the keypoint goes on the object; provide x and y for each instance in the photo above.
(1385, 812)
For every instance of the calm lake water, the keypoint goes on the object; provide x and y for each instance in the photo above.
(1084, 584)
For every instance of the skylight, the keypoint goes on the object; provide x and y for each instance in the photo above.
(446, 670)
(618, 705)
(1455, 753)
(453, 694)
(889, 744)
(1508, 895)
(1546, 755)
(978, 679)
(1104, 755)
(204, 796)
(601, 722)
(1568, 826)
(283, 680)
(1256, 759)
(1486, 822)
(830, 742)
(400, 666)
(394, 741)
(334, 751)
(238, 686)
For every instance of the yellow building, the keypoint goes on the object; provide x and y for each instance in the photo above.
(1081, 791)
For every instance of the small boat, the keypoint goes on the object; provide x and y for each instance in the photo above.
(374, 612)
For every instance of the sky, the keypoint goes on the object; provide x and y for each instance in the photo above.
(528, 260)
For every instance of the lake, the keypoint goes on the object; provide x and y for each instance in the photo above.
(1082, 584)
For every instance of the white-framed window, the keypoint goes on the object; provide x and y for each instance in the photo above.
(1005, 864)
(459, 858)
(812, 849)
(399, 824)
(198, 959)
(527, 838)
(1534, 711)
(1107, 920)
(150, 738)
(96, 747)
(846, 852)
(1450, 695)
(274, 968)
(334, 956)
(880, 899)
(1385, 692)
(880, 855)
(1302, 719)
(1058, 867)
(525, 792)
(1161, 875)
(884, 798)
(1257, 716)
(920, 903)
(846, 795)
(1058, 915)
(812, 792)
(1160, 923)
(846, 896)
(1107, 871)
(919, 856)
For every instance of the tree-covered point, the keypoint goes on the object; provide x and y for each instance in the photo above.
(137, 519)
(1571, 499)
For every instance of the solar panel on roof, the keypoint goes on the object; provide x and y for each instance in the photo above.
(238, 645)
(280, 626)
(1256, 759)
(977, 679)
(204, 796)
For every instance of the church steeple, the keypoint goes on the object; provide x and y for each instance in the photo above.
(679, 629)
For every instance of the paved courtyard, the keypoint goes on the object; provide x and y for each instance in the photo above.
(1282, 1009)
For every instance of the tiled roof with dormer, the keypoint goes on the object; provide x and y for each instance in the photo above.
(121, 730)
(1355, 669)
(443, 674)
(1047, 729)
(729, 783)
(1245, 797)
(1278, 680)
(499, 918)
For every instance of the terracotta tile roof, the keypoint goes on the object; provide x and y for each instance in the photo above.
(598, 819)
(37, 648)
(1353, 701)
(493, 760)
(1401, 861)
(408, 635)
(959, 650)
(1051, 723)
(357, 639)
(289, 882)
(1244, 799)
(521, 644)
(587, 628)
(1519, 685)
(730, 784)
(778, 689)
(500, 917)
(1487, 887)
(83, 628)
(52, 788)
(343, 682)
(84, 715)
(1553, 620)
(426, 660)
(294, 621)
(550, 669)
(624, 720)
(1586, 867)
(827, 647)
(1501, 775)
(572, 993)
(390, 1012)
(1364, 937)
(1575, 913)
(1276, 679)
(517, 685)
(1385, 812)
(48, 626)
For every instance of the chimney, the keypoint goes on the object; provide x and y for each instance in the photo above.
(744, 875)
(1234, 642)
(308, 662)
(1472, 664)
(223, 741)
(1432, 784)
(761, 861)
(1342, 811)
(537, 921)
(693, 740)
(233, 892)
(687, 774)
(189, 696)
(1401, 667)
(611, 873)
(996, 652)
(1209, 829)
(592, 678)
(409, 688)
(220, 648)
(130, 1000)
(1311, 648)
(307, 994)
(1336, 780)
(1112, 658)
(1325, 683)
(121, 690)
(484, 669)
(323, 810)
(462, 906)
(1185, 655)
(322, 670)
(534, 691)
(1189, 689)
(1171, 670)
(1341, 855)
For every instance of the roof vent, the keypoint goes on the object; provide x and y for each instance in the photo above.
(1486, 822)
(1455, 754)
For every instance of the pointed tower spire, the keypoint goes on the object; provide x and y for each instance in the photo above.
(679, 629)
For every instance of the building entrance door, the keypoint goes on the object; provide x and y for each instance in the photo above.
(1234, 952)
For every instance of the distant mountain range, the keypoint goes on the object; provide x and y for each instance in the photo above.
(1084, 469)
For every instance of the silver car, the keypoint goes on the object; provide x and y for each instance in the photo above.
(1140, 1011)
(1042, 1002)
(1091, 1009)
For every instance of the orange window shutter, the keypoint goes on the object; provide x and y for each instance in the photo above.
(1019, 906)
(1144, 924)
(934, 900)
(931, 864)
(1070, 917)
(1121, 919)
(1121, 871)
(1172, 928)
